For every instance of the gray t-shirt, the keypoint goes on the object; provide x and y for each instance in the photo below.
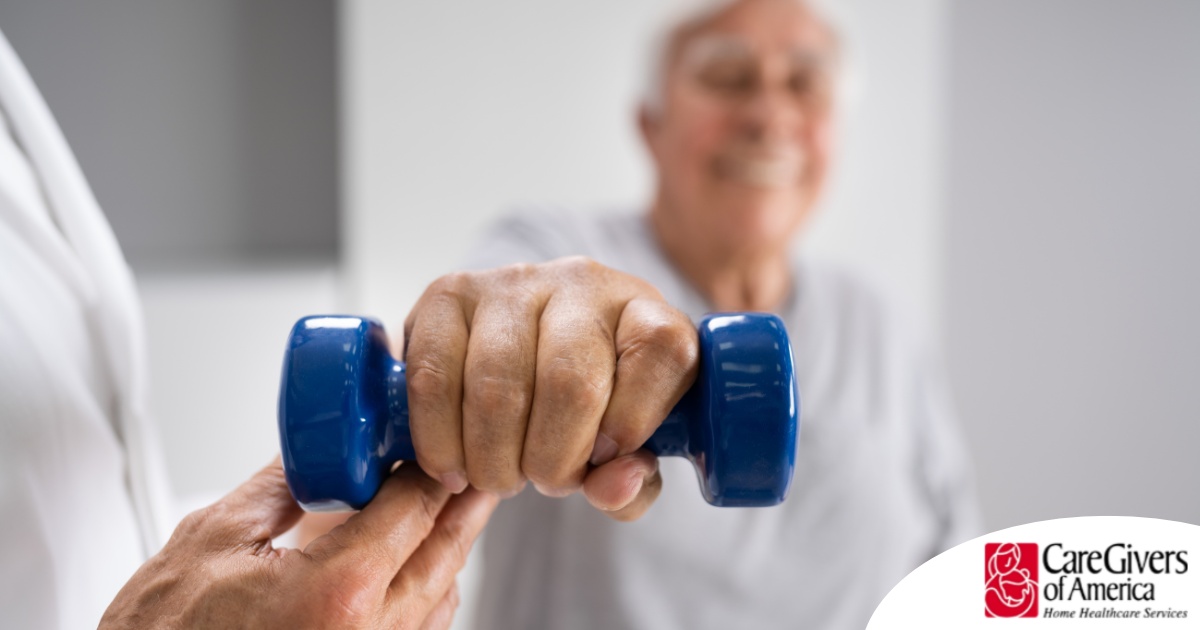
(882, 479)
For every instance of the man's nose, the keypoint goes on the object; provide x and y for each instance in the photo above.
(771, 114)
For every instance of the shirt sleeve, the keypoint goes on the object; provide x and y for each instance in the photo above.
(526, 237)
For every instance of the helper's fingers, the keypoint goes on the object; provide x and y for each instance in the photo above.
(436, 337)
(257, 511)
(498, 388)
(625, 487)
(423, 581)
(443, 614)
(575, 364)
(377, 541)
(657, 361)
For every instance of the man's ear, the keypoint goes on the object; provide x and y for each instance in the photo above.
(649, 123)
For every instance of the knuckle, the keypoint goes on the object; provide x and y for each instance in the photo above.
(428, 380)
(210, 526)
(671, 346)
(519, 298)
(455, 539)
(429, 504)
(193, 524)
(582, 386)
(512, 283)
(346, 599)
(578, 265)
(524, 300)
(494, 396)
(676, 343)
(517, 271)
(450, 285)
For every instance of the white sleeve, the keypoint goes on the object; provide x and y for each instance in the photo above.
(82, 492)
(526, 237)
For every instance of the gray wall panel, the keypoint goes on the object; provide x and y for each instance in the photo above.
(1073, 278)
(207, 129)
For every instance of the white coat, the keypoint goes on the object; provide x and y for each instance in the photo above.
(82, 495)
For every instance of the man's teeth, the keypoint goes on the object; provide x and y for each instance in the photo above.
(768, 173)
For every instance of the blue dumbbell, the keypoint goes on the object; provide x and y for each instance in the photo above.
(343, 412)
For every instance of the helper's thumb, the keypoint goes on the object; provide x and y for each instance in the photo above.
(260, 509)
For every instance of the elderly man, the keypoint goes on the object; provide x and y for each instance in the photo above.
(556, 369)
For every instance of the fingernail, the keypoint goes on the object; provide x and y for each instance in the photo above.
(604, 451)
(455, 481)
(634, 491)
(556, 493)
(508, 494)
(653, 468)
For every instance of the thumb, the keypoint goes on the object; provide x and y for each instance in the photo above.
(257, 511)
(625, 487)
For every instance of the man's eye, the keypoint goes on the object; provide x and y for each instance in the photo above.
(809, 83)
(800, 83)
(732, 80)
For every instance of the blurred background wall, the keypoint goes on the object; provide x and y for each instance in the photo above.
(1072, 266)
(1020, 173)
(208, 131)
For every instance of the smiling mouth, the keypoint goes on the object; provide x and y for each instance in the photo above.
(777, 169)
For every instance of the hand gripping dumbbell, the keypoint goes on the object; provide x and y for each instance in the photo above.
(343, 412)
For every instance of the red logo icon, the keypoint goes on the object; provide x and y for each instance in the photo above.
(1010, 574)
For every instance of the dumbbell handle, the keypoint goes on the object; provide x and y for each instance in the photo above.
(670, 439)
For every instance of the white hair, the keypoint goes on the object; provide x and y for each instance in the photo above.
(676, 14)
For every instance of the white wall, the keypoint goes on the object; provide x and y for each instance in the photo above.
(886, 210)
(216, 337)
(1073, 268)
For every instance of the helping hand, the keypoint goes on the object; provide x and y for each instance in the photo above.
(391, 565)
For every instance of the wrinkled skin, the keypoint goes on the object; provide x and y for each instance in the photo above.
(390, 566)
(555, 373)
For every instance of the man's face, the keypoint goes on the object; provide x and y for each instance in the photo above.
(743, 136)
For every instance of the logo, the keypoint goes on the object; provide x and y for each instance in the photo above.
(1088, 567)
(1010, 579)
